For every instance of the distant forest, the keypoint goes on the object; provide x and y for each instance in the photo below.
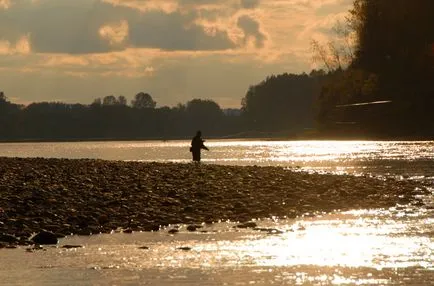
(377, 82)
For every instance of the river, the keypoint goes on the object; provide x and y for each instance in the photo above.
(360, 247)
(406, 159)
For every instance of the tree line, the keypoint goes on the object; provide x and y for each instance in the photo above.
(109, 118)
(391, 64)
(376, 82)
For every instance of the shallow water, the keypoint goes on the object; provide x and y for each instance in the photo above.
(364, 247)
(399, 159)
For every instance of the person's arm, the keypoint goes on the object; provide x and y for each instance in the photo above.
(203, 146)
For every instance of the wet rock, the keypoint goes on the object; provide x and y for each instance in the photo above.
(269, 230)
(249, 224)
(60, 235)
(45, 237)
(170, 202)
(193, 227)
(70, 246)
(172, 193)
(102, 219)
(25, 242)
(8, 238)
(83, 232)
(151, 227)
(35, 247)
(184, 248)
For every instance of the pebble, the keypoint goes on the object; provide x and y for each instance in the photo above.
(185, 248)
(84, 196)
(45, 237)
(69, 246)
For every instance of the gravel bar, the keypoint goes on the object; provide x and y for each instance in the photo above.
(83, 196)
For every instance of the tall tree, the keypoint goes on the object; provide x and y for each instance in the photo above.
(122, 100)
(282, 102)
(143, 100)
(203, 114)
(393, 60)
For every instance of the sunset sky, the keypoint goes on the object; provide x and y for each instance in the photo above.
(176, 50)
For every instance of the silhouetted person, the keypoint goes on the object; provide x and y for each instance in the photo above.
(197, 145)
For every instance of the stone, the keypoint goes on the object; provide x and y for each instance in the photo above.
(151, 227)
(45, 237)
(8, 238)
(185, 248)
(69, 246)
(268, 230)
(249, 224)
(193, 227)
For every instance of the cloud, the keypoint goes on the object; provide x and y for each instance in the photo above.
(22, 46)
(175, 32)
(167, 6)
(5, 4)
(83, 26)
(251, 29)
(58, 26)
(116, 34)
(250, 4)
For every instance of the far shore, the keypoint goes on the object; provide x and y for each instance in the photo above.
(83, 196)
(230, 137)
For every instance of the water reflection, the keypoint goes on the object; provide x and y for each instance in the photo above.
(412, 159)
(356, 247)
(368, 239)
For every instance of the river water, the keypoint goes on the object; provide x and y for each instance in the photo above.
(360, 247)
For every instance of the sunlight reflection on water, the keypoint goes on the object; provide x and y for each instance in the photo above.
(358, 247)
(412, 159)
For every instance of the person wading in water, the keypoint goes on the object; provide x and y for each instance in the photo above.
(197, 145)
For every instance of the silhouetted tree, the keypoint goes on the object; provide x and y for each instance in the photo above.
(2, 97)
(109, 100)
(143, 100)
(97, 102)
(282, 102)
(203, 114)
(122, 100)
(338, 52)
(393, 60)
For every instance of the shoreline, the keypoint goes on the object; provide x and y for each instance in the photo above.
(229, 138)
(87, 196)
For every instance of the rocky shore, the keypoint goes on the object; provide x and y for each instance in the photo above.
(94, 196)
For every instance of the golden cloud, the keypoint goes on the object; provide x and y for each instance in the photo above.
(5, 4)
(167, 6)
(115, 33)
(5, 47)
(21, 47)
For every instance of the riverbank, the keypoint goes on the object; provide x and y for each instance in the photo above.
(95, 196)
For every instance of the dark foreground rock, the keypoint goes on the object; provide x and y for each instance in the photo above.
(94, 196)
(45, 237)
